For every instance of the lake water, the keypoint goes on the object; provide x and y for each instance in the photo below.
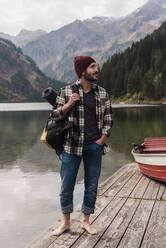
(29, 171)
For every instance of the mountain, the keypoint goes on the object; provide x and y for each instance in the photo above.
(24, 36)
(99, 37)
(20, 78)
(139, 73)
(6, 36)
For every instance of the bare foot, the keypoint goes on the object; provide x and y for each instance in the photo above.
(88, 228)
(60, 230)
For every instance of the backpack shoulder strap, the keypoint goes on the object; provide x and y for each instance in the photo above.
(74, 88)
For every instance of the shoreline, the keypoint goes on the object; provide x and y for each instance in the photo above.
(137, 101)
(44, 106)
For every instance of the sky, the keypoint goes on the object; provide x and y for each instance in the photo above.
(50, 15)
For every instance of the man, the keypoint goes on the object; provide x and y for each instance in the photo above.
(90, 111)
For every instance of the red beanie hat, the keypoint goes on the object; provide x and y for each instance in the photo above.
(81, 63)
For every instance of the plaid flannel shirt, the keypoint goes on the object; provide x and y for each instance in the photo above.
(75, 136)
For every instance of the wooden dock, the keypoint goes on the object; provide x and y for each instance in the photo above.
(130, 213)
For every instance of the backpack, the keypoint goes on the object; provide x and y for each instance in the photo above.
(55, 131)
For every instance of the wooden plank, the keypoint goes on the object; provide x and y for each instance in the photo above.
(108, 215)
(163, 197)
(161, 192)
(101, 223)
(120, 183)
(151, 144)
(155, 235)
(45, 240)
(153, 139)
(69, 239)
(115, 231)
(140, 188)
(154, 144)
(118, 227)
(154, 149)
(135, 231)
(111, 180)
(130, 185)
(152, 190)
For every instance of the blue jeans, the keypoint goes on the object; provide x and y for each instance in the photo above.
(92, 157)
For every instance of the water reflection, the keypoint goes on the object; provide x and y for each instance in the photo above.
(133, 125)
(20, 139)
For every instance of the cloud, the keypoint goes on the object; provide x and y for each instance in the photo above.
(119, 8)
(11, 18)
(52, 14)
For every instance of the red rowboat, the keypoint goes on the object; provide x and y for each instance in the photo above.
(151, 157)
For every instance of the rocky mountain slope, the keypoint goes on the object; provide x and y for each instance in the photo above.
(20, 78)
(23, 37)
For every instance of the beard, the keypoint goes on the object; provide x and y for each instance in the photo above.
(91, 77)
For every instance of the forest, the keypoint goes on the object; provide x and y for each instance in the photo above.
(140, 71)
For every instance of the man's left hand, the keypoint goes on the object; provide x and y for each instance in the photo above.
(102, 140)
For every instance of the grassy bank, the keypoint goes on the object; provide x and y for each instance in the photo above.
(136, 99)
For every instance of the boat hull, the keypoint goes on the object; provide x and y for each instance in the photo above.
(152, 165)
